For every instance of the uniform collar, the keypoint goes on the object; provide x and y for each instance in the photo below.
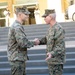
(17, 22)
(54, 25)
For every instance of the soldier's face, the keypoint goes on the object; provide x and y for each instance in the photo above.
(48, 19)
(24, 17)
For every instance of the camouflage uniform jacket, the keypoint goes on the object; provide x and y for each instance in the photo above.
(17, 43)
(55, 44)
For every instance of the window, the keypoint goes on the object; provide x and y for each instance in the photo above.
(71, 2)
(2, 13)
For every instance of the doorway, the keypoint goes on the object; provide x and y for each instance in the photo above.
(31, 19)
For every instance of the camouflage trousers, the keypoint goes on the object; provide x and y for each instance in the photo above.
(55, 69)
(18, 68)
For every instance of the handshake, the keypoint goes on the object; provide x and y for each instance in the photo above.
(36, 41)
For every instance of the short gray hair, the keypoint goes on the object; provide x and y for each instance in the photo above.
(53, 15)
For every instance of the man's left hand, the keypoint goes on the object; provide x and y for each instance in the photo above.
(48, 56)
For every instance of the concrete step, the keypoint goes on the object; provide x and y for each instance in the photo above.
(5, 37)
(69, 38)
(70, 55)
(67, 69)
(41, 63)
(70, 35)
(48, 74)
(41, 70)
(44, 63)
(64, 24)
(8, 73)
(70, 31)
(35, 63)
(43, 56)
(3, 43)
(5, 72)
(33, 50)
(4, 64)
(39, 56)
(39, 28)
(37, 32)
(70, 62)
(37, 74)
(45, 27)
(5, 40)
(2, 53)
(3, 58)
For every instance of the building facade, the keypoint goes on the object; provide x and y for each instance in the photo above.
(36, 7)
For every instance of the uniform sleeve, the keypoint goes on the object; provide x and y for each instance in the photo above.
(43, 41)
(21, 39)
(58, 40)
(50, 44)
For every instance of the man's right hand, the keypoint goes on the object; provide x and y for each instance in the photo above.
(36, 41)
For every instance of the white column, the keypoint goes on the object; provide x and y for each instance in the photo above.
(37, 17)
(6, 13)
(56, 4)
(7, 21)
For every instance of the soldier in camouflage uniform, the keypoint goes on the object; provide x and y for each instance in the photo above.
(55, 43)
(18, 43)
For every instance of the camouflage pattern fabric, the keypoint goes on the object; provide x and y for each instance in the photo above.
(55, 69)
(18, 43)
(17, 48)
(54, 40)
(18, 68)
